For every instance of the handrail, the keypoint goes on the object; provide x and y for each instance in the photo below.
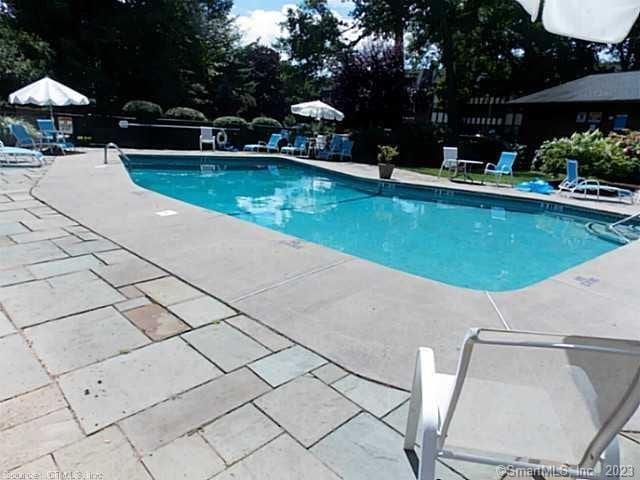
(614, 226)
(112, 145)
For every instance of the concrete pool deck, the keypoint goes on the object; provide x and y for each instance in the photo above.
(88, 256)
(327, 300)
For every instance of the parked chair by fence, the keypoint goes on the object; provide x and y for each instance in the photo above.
(207, 138)
(449, 159)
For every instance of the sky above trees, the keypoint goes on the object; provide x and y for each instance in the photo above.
(259, 20)
(364, 56)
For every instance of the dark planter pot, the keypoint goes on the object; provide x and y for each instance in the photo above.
(386, 170)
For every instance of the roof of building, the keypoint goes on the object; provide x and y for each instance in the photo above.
(604, 87)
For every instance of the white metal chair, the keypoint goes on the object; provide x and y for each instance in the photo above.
(548, 404)
(206, 137)
(449, 159)
(575, 184)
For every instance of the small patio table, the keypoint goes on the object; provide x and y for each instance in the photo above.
(463, 169)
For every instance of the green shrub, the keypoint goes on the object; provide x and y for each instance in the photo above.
(230, 122)
(186, 113)
(142, 109)
(599, 156)
(290, 121)
(265, 122)
(387, 153)
(5, 134)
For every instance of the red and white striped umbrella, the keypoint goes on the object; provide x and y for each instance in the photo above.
(604, 21)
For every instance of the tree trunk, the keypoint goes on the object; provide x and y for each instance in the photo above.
(398, 46)
(449, 62)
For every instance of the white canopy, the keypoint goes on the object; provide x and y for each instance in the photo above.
(48, 92)
(318, 110)
(605, 21)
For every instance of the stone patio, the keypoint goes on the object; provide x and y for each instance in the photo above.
(112, 365)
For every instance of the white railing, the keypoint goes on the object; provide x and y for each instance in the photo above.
(614, 226)
(106, 152)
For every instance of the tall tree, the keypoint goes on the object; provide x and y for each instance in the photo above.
(116, 50)
(367, 87)
(265, 74)
(626, 55)
(311, 46)
(23, 57)
(387, 20)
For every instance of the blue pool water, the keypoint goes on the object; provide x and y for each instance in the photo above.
(474, 241)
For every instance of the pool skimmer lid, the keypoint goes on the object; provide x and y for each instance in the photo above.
(166, 213)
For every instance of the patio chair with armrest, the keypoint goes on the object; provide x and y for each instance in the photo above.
(207, 138)
(573, 184)
(504, 166)
(52, 137)
(299, 147)
(270, 146)
(449, 159)
(332, 150)
(550, 404)
(345, 149)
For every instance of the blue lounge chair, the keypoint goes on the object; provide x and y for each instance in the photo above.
(270, 146)
(572, 179)
(504, 166)
(333, 149)
(345, 149)
(23, 139)
(52, 137)
(20, 157)
(299, 146)
(573, 184)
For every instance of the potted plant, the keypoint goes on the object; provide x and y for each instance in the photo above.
(386, 154)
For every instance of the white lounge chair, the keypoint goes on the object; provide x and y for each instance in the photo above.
(449, 159)
(206, 137)
(547, 404)
(574, 184)
(20, 157)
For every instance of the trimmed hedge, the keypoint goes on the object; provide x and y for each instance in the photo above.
(265, 122)
(186, 113)
(142, 109)
(230, 122)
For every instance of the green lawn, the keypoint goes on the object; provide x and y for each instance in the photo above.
(517, 176)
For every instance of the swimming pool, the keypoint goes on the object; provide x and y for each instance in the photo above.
(480, 242)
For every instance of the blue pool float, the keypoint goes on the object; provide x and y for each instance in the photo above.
(535, 186)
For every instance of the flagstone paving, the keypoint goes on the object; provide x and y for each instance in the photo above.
(155, 321)
(85, 338)
(307, 408)
(287, 365)
(112, 366)
(225, 346)
(202, 310)
(5, 325)
(106, 392)
(240, 433)
(187, 457)
(20, 370)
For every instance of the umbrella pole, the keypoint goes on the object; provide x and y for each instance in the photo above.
(51, 114)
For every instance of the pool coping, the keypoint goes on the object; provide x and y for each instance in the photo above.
(404, 177)
(363, 316)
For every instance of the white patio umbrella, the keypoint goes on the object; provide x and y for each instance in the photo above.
(48, 92)
(318, 110)
(604, 21)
